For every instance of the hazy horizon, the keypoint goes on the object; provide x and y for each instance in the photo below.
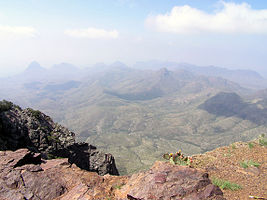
(131, 65)
(229, 34)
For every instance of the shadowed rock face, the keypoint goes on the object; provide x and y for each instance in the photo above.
(25, 176)
(37, 132)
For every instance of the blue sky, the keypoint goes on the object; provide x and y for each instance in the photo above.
(230, 34)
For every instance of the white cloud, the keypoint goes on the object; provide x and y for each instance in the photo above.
(231, 18)
(92, 33)
(17, 31)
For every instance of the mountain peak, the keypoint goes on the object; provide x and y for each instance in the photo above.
(34, 67)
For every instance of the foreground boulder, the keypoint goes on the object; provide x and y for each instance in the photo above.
(37, 132)
(166, 181)
(24, 175)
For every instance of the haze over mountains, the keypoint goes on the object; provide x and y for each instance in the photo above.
(139, 112)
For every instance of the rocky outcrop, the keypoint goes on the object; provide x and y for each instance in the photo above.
(37, 132)
(166, 181)
(89, 158)
(23, 175)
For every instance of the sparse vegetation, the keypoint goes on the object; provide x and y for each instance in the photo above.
(249, 163)
(225, 185)
(53, 138)
(58, 157)
(250, 145)
(233, 146)
(263, 140)
(227, 154)
(35, 113)
(218, 165)
(178, 158)
(5, 105)
(51, 156)
(118, 187)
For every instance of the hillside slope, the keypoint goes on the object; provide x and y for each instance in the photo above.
(229, 163)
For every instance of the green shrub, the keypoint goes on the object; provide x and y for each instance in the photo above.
(35, 113)
(250, 145)
(5, 105)
(178, 158)
(263, 140)
(249, 163)
(244, 164)
(225, 185)
(58, 157)
(118, 187)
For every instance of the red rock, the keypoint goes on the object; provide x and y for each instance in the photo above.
(167, 181)
(25, 176)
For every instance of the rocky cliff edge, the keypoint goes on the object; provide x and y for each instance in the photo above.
(32, 129)
(24, 175)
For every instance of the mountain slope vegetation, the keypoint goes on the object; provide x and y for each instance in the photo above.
(137, 115)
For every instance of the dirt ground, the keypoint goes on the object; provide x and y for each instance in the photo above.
(224, 163)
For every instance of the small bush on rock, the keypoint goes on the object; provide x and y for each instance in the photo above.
(178, 158)
(35, 113)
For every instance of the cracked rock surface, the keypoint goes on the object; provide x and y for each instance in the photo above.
(24, 175)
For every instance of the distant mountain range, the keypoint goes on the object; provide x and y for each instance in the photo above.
(139, 112)
(246, 78)
(65, 71)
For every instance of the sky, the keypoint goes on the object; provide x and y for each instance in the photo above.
(231, 34)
